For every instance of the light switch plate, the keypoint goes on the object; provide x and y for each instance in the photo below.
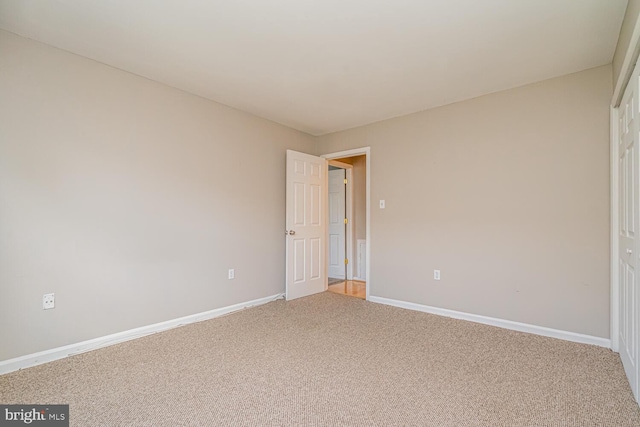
(382, 204)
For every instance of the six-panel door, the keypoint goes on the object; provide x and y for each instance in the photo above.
(305, 224)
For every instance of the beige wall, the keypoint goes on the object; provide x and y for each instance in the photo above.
(628, 25)
(128, 199)
(359, 206)
(360, 196)
(506, 194)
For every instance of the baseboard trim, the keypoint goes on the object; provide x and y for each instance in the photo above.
(39, 358)
(500, 323)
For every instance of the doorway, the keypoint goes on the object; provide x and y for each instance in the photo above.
(339, 218)
(347, 226)
(306, 224)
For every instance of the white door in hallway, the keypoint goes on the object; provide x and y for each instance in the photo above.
(306, 210)
(337, 214)
(628, 131)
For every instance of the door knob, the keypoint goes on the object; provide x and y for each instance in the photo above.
(629, 251)
(291, 233)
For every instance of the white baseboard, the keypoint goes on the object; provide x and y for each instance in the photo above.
(500, 323)
(39, 358)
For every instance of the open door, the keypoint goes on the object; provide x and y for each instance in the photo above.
(337, 225)
(306, 207)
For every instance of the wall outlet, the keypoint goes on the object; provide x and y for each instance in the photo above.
(436, 274)
(232, 274)
(48, 301)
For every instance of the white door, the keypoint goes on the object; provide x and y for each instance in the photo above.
(306, 208)
(628, 130)
(337, 214)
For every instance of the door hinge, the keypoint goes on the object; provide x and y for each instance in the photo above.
(346, 221)
(346, 261)
(345, 180)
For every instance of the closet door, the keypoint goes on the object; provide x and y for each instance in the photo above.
(628, 131)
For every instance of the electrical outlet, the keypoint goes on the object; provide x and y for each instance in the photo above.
(436, 274)
(232, 274)
(48, 301)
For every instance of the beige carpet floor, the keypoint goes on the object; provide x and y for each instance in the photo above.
(334, 360)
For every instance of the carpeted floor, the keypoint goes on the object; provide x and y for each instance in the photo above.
(334, 360)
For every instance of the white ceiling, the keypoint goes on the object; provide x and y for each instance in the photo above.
(326, 65)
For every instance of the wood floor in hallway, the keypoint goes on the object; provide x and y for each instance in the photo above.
(353, 288)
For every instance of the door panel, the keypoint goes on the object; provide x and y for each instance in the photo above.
(299, 202)
(316, 204)
(316, 260)
(299, 256)
(305, 224)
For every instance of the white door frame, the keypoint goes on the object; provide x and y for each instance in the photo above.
(628, 64)
(366, 151)
(614, 220)
(348, 210)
